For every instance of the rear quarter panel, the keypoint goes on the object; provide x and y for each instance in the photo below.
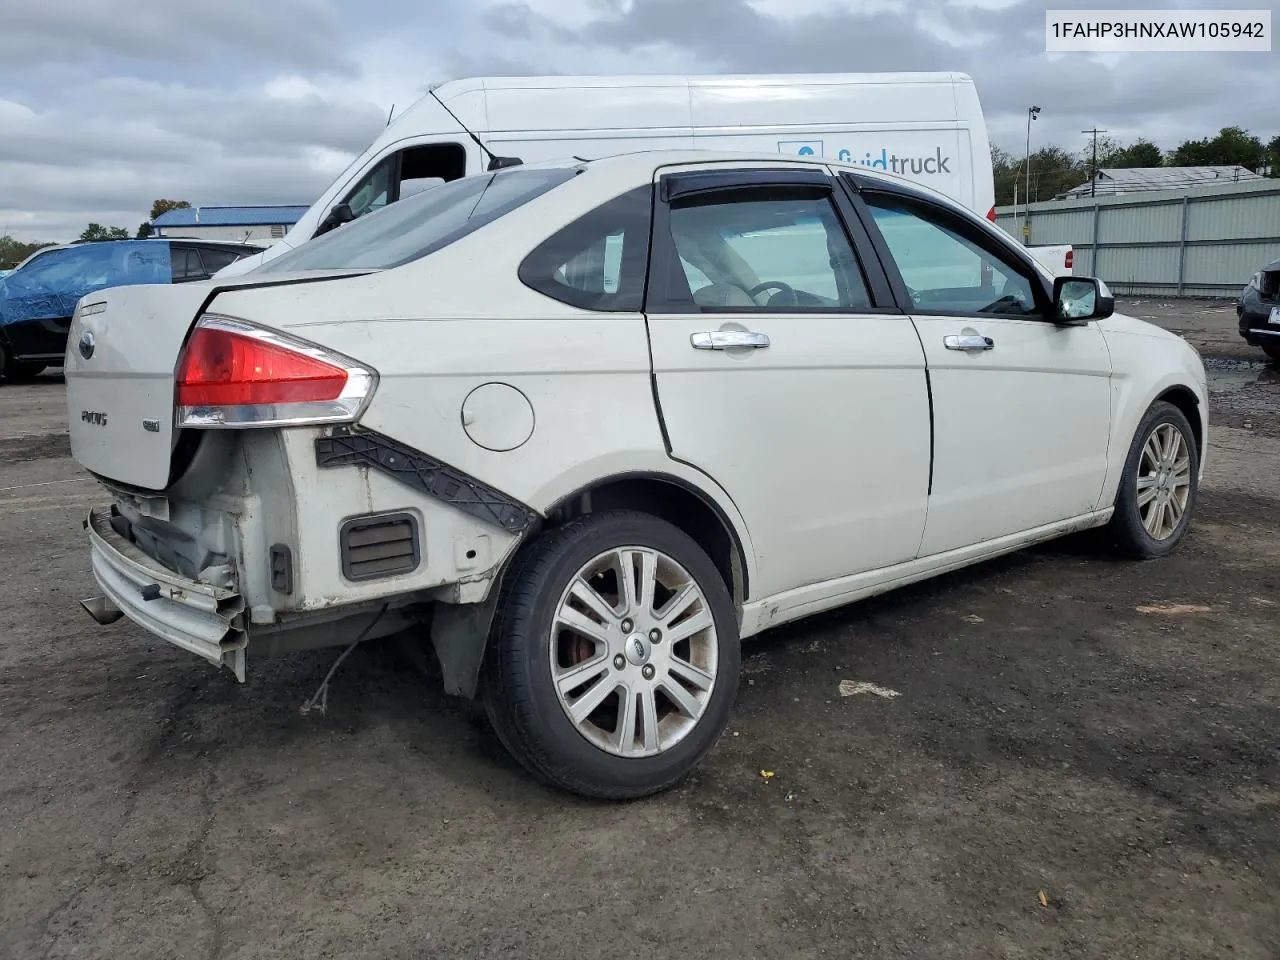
(439, 328)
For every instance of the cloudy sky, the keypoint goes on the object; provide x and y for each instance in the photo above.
(106, 105)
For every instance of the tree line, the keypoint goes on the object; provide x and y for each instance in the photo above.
(1055, 170)
(13, 252)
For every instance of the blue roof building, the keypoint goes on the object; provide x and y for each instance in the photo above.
(257, 223)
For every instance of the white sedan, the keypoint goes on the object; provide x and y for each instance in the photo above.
(588, 425)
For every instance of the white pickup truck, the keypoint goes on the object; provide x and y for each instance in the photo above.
(1057, 258)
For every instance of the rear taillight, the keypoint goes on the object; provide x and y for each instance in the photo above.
(236, 374)
(1069, 259)
(991, 214)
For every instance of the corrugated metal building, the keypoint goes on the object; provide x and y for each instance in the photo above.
(1110, 181)
(263, 224)
(1203, 241)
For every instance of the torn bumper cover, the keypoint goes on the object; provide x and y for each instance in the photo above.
(203, 619)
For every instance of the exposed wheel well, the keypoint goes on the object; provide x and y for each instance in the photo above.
(674, 502)
(1186, 401)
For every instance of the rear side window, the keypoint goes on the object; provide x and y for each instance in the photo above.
(598, 261)
(419, 225)
(186, 265)
(215, 259)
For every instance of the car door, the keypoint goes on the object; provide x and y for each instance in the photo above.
(1021, 403)
(783, 371)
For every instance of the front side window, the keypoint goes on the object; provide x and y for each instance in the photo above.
(597, 262)
(419, 225)
(944, 270)
(775, 249)
(372, 192)
(403, 173)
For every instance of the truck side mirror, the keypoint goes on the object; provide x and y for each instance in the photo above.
(339, 215)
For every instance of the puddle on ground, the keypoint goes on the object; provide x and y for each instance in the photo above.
(1232, 374)
(1244, 394)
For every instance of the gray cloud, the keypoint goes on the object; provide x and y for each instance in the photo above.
(115, 110)
(1168, 97)
(305, 33)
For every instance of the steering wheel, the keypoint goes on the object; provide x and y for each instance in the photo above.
(775, 285)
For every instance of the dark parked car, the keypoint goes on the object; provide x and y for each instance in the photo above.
(1259, 310)
(38, 299)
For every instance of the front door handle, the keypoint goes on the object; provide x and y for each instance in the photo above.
(727, 339)
(969, 342)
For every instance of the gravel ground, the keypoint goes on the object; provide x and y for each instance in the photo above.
(1081, 761)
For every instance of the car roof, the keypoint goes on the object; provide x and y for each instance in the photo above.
(41, 250)
(648, 163)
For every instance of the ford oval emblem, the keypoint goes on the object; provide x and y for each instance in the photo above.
(86, 344)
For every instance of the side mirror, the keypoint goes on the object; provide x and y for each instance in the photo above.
(411, 188)
(1081, 299)
(337, 217)
(502, 163)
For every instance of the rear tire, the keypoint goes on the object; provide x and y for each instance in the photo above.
(15, 370)
(1272, 352)
(1159, 487)
(603, 691)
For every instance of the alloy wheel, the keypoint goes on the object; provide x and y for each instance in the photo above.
(1164, 481)
(633, 652)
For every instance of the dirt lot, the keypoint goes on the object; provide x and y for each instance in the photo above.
(1072, 769)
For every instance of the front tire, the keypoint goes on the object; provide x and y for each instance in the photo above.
(613, 662)
(1160, 485)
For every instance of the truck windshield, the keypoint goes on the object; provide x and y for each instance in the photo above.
(421, 224)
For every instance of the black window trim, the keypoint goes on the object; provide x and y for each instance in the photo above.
(664, 260)
(692, 183)
(977, 231)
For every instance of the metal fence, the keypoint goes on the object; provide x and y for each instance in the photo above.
(1200, 242)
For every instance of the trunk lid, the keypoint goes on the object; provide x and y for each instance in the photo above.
(122, 349)
(121, 360)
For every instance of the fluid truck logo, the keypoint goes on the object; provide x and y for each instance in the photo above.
(928, 165)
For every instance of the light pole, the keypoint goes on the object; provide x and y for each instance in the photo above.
(1032, 113)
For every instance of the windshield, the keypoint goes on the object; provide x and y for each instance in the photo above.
(50, 285)
(421, 224)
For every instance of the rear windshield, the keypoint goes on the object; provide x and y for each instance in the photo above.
(421, 224)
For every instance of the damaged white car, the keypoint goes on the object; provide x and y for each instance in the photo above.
(588, 425)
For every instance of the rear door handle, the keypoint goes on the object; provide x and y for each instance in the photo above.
(969, 342)
(726, 339)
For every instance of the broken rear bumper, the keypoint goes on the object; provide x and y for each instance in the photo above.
(202, 619)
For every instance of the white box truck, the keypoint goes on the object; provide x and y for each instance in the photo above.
(925, 126)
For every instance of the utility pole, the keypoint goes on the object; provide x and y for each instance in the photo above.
(1093, 179)
(1032, 113)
